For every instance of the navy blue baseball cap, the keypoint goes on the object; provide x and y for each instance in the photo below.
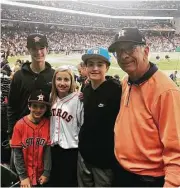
(97, 52)
(129, 34)
(39, 96)
(36, 39)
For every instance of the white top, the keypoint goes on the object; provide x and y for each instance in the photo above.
(66, 120)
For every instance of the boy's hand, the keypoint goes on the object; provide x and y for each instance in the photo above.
(87, 81)
(25, 183)
(43, 179)
(80, 96)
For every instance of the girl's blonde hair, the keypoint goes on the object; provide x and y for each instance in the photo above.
(54, 93)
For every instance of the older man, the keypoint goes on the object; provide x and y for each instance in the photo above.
(147, 128)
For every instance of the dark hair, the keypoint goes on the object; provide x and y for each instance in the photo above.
(48, 110)
(82, 64)
(18, 60)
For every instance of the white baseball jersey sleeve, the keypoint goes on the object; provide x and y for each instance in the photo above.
(66, 120)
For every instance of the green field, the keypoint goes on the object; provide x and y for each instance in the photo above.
(73, 59)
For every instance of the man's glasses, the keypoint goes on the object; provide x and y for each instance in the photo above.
(126, 48)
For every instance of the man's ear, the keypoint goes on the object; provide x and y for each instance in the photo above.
(146, 51)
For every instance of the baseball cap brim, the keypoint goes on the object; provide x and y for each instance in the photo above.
(113, 46)
(36, 45)
(85, 57)
(41, 102)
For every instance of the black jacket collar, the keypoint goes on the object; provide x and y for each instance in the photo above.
(153, 68)
(26, 67)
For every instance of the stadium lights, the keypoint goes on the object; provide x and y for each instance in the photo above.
(83, 13)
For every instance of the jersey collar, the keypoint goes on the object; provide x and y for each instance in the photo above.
(153, 68)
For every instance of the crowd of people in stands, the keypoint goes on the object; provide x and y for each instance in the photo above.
(24, 14)
(111, 4)
(75, 32)
(62, 41)
(115, 7)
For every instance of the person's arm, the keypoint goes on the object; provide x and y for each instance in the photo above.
(19, 163)
(166, 113)
(117, 93)
(80, 114)
(18, 158)
(13, 103)
(47, 161)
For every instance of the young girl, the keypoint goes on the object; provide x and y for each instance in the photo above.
(31, 143)
(66, 120)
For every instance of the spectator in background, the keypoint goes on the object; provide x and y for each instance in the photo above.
(83, 79)
(5, 68)
(15, 69)
(173, 76)
(116, 76)
(167, 57)
(16, 64)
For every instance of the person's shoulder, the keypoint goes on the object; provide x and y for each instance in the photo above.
(162, 83)
(74, 95)
(18, 76)
(18, 73)
(113, 83)
(87, 87)
(20, 124)
(49, 67)
(52, 70)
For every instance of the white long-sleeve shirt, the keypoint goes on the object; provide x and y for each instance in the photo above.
(66, 120)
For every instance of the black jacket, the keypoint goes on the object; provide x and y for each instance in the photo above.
(23, 83)
(96, 137)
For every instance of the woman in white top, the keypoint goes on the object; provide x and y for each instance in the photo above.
(66, 120)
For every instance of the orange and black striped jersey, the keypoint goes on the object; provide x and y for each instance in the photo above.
(147, 128)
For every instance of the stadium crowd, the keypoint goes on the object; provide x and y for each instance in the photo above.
(46, 16)
(115, 8)
(75, 32)
(74, 41)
